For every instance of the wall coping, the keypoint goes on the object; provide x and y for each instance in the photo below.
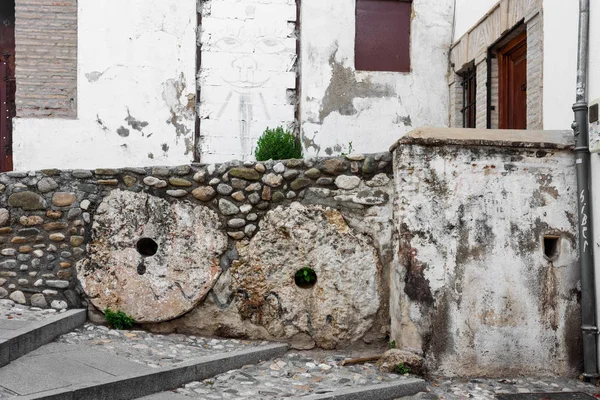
(542, 139)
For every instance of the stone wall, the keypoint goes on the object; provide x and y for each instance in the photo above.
(219, 244)
(487, 278)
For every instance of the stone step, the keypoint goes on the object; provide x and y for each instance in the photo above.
(70, 372)
(384, 391)
(18, 338)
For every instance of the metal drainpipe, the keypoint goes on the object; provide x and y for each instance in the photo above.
(582, 164)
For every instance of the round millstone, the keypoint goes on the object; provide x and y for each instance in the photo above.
(159, 287)
(341, 306)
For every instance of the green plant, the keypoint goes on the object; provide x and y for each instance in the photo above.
(392, 344)
(350, 149)
(277, 144)
(305, 277)
(118, 319)
(402, 369)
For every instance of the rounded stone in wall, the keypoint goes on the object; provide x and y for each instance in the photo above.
(339, 303)
(149, 258)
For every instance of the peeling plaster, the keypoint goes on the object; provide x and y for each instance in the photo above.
(173, 91)
(123, 132)
(101, 123)
(134, 123)
(93, 76)
(344, 88)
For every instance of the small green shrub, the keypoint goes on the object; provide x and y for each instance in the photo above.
(277, 144)
(392, 344)
(305, 277)
(118, 319)
(402, 369)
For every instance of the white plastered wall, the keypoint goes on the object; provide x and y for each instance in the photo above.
(248, 74)
(593, 94)
(136, 91)
(561, 21)
(387, 104)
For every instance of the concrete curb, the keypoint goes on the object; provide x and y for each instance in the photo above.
(19, 342)
(143, 384)
(384, 391)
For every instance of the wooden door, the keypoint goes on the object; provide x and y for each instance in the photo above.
(7, 82)
(512, 84)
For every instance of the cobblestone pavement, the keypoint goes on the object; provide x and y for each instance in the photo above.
(151, 349)
(9, 310)
(486, 389)
(296, 374)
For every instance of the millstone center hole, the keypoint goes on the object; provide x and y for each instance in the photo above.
(305, 278)
(147, 247)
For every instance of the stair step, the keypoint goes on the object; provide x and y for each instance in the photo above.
(56, 373)
(384, 391)
(18, 338)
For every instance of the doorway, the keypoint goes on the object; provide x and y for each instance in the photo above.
(512, 83)
(7, 82)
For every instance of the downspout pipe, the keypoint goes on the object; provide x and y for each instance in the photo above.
(589, 327)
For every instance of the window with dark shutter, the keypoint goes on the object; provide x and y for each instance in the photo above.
(383, 35)
(469, 104)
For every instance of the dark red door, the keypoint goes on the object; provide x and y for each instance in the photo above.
(512, 61)
(7, 82)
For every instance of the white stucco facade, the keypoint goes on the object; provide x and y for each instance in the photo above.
(561, 21)
(593, 94)
(136, 91)
(340, 105)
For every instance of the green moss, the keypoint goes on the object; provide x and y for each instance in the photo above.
(118, 319)
(402, 369)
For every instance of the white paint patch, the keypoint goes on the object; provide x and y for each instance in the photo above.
(418, 98)
(135, 69)
(248, 65)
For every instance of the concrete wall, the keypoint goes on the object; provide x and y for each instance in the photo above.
(473, 288)
(340, 105)
(136, 91)
(248, 74)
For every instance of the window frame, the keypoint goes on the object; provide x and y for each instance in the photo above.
(469, 96)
